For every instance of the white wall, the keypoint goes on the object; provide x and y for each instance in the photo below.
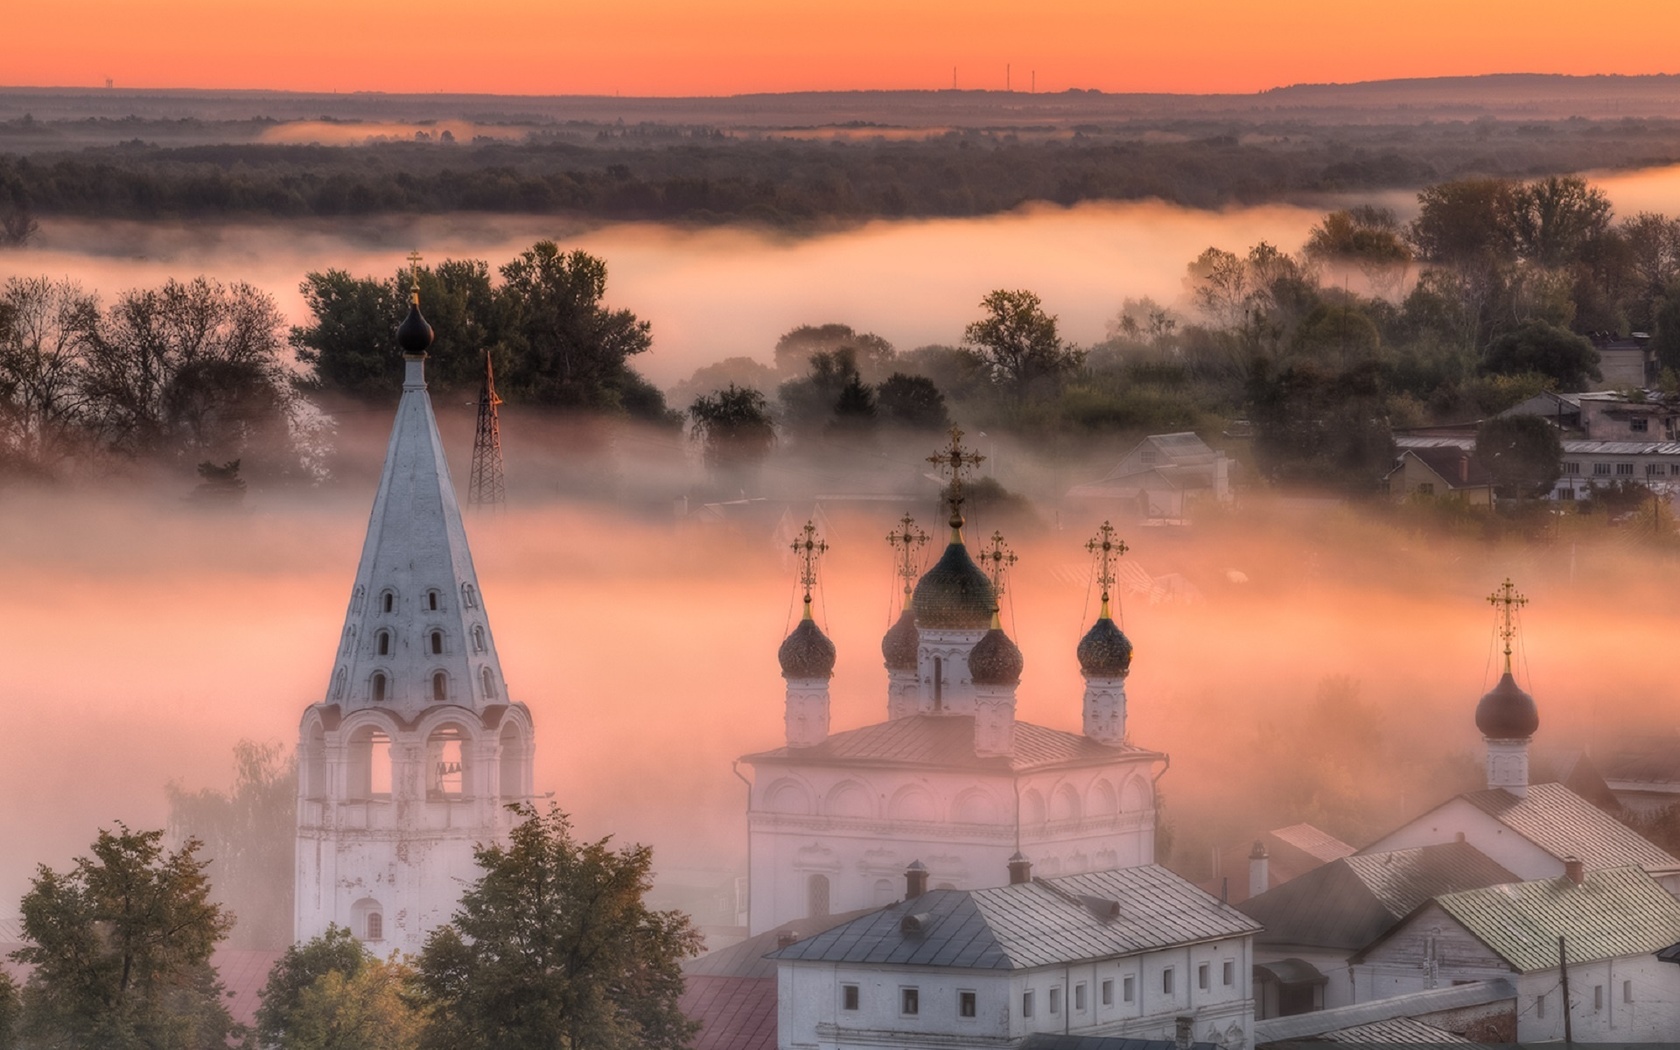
(1458, 818)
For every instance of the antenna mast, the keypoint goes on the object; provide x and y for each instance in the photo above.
(487, 488)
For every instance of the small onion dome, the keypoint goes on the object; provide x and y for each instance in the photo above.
(807, 653)
(995, 660)
(414, 335)
(954, 593)
(899, 645)
(1105, 652)
(1507, 713)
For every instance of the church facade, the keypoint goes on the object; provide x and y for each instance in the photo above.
(950, 780)
(416, 750)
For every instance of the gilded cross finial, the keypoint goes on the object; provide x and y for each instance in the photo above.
(808, 547)
(414, 277)
(996, 559)
(906, 540)
(1106, 547)
(956, 462)
(1508, 601)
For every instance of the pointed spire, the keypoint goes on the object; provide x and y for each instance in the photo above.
(955, 462)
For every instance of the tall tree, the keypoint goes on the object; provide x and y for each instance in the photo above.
(366, 1010)
(871, 355)
(120, 949)
(1017, 341)
(47, 332)
(553, 948)
(1522, 453)
(336, 951)
(735, 432)
(912, 401)
(1536, 346)
(1463, 222)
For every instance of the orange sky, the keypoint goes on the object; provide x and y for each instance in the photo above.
(686, 47)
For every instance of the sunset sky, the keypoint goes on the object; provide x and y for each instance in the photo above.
(714, 47)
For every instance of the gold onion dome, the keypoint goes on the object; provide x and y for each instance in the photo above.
(995, 660)
(954, 594)
(807, 652)
(1506, 712)
(1105, 652)
(414, 335)
(899, 645)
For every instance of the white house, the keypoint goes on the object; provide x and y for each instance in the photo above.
(409, 760)
(1161, 478)
(1109, 953)
(1611, 923)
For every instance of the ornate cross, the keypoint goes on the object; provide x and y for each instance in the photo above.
(996, 559)
(1508, 601)
(1107, 549)
(906, 540)
(808, 547)
(956, 462)
(414, 275)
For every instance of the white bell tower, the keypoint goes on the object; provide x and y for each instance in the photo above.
(412, 757)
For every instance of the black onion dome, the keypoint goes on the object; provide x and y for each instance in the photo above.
(414, 335)
(1507, 713)
(995, 660)
(954, 593)
(807, 653)
(1105, 652)
(899, 645)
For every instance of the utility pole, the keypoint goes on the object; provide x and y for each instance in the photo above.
(1563, 968)
(486, 489)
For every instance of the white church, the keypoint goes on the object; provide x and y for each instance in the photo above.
(951, 779)
(414, 753)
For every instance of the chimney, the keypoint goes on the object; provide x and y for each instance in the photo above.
(1574, 870)
(1183, 1032)
(1463, 467)
(1259, 869)
(784, 938)
(915, 880)
(1020, 870)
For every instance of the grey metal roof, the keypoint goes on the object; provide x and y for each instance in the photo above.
(1350, 901)
(750, 958)
(1058, 1041)
(1566, 825)
(1621, 911)
(1397, 1031)
(1313, 841)
(1570, 447)
(947, 742)
(1044, 922)
(1435, 1000)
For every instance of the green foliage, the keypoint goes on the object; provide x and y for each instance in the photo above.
(734, 428)
(335, 952)
(1665, 339)
(1365, 235)
(871, 355)
(1522, 453)
(1536, 346)
(369, 1009)
(1017, 341)
(11, 1011)
(808, 403)
(1463, 222)
(553, 947)
(120, 948)
(1321, 428)
(912, 402)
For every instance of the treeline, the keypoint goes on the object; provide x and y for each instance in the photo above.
(790, 182)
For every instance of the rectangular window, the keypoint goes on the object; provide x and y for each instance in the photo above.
(1026, 1004)
(967, 1005)
(1598, 997)
(1228, 973)
(1079, 997)
(909, 1002)
(1128, 990)
(1601, 468)
(1540, 1007)
(1674, 468)
(1653, 468)
(848, 997)
(1108, 993)
(1202, 977)
(1572, 468)
(1627, 991)
(1639, 426)
(1426, 488)
(1624, 470)
(1167, 981)
(1566, 492)
(1055, 1001)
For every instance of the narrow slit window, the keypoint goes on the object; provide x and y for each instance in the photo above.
(437, 643)
(388, 601)
(1108, 993)
(1055, 1001)
(1128, 989)
(378, 690)
(489, 681)
(1026, 1004)
(478, 639)
(432, 600)
(469, 598)
(440, 687)
(1079, 997)
(1167, 981)
(1228, 973)
(1202, 977)
(383, 643)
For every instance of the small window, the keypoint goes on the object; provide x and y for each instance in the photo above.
(432, 601)
(967, 1006)
(1108, 993)
(1624, 469)
(440, 687)
(909, 1002)
(1079, 997)
(388, 601)
(1601, 468)
(478, 639)
(382, 643)
(437, 643)
(1674, 468)
(1598, 997)
(378, 688)
(1228, 973)
(1639, 426)
(1026, 1004)
(1653, 469)
(375, 926)
(469, 597)
(1167, 981)
(1426, 488)
(1572, 468)
(489, 681)
(848, 997)
(1128, 989)
(1627, 991)
(338, 685)
(1540, 1007)
(1202, 977)
(1055, 1001)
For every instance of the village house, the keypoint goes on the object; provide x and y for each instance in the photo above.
(1440, 473)
(1161, 479)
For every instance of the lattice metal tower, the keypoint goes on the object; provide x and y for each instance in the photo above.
(487, 489)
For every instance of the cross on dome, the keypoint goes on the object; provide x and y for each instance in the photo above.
(1106, 548)
(955, 462)
(414, 276)
(906, 541)
(809, 548)
(997, 558)
(1507, 601)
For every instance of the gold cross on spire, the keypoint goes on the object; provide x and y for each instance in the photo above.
(414, 277)
(956, 462)
(808, 547)
(906, 540)
(1508, 602)
(1106, 548)
(996, 559)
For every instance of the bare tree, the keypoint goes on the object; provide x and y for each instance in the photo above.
(46, 331)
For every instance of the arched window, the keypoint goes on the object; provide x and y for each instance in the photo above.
(356, 602)
(469, 597)
(816, 896)
(447, 755)
(478, 638)
(377, 689)
(489, 681)
(383, 643)
(388, 601)
(338, 685)
(440, 687)
(432, 600)
(367, 919)
(368, 769)
(437, 642)
(375, 926)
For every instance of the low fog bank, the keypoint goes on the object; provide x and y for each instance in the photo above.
(1327, 673)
